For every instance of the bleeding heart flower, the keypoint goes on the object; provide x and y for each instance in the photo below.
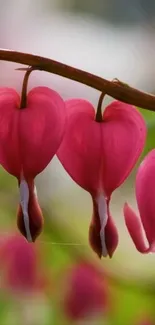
(145, 195)
(87, 291)
(20, 266)
(29, 138)
(99, 156)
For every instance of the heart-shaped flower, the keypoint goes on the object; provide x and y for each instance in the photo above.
(99, 156)
(29, 138)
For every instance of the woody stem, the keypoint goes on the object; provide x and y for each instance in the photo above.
(119, 91)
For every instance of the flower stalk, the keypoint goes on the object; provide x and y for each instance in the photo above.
(99, 117)
(23, 102)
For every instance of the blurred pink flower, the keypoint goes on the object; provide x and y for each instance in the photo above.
(145, 195)
(87, 291)
(20, 265)
(145, 321)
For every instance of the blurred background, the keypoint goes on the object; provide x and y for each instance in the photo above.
(112, 39)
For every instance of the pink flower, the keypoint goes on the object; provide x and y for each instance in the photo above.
(145, 195)
(87, 292)
(20, 266)
(29, 138)
(99, 156)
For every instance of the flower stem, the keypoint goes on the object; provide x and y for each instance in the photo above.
(23, 102)
(119, 91)
(99, 117)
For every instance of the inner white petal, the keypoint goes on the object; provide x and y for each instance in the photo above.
(103, 215)
(35, 191)
(24, 201)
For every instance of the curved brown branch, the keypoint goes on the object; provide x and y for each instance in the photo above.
(117, 90)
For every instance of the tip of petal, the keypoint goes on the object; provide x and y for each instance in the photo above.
(111, 237)
(135, 230)
(94, 240)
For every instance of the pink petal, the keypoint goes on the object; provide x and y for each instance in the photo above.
(80, 150)
(123, 136)
(9, 131)
(99, 156)
(41, 129)
(30, 137)
(97, 226)
(145, 194)
(111, 236)
(135, 229)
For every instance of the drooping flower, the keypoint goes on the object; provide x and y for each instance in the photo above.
(145, 196)
(29, 138)
(99, 156)
(20, 266)
(87, 291)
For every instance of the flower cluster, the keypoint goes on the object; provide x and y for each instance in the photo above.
(98, 151)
